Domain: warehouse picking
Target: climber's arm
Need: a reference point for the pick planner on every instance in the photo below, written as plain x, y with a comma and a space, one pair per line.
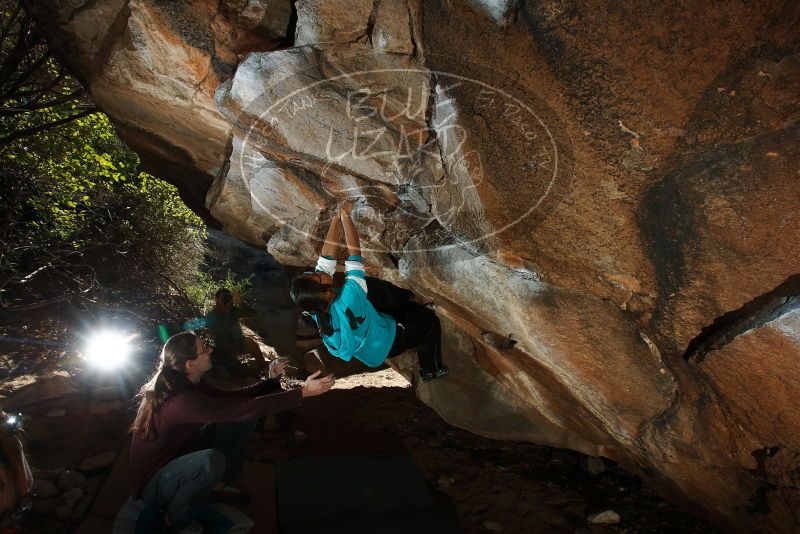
350, 232
332, 239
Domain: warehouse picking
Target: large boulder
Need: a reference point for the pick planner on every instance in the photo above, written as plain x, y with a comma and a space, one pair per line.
601, 204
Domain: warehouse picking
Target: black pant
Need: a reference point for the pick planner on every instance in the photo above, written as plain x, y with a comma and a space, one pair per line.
417, 326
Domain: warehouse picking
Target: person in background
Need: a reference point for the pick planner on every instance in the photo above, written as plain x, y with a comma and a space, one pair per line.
16, 479
188, 437
223, 323
349, 323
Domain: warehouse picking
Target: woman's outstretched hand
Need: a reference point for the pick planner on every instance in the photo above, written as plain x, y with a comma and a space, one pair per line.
317, 386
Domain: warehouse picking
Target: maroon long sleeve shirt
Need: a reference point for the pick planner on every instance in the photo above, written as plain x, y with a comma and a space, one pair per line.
180, 418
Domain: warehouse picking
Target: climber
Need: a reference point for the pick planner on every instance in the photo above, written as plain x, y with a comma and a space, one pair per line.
223, 322
353, 324
188, 437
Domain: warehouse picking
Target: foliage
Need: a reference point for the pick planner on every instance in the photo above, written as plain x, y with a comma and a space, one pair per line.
202, 291
78, 212
36, 94
81, 221
78, 192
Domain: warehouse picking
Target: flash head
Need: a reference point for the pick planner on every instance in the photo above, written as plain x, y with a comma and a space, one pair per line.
13, 423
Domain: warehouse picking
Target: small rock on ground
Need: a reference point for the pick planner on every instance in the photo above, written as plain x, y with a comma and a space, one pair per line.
45, 506
71, 479
608, 517
65, 510
81, 507
98, 462
44, 489
108, 393
72, 495
445, 480
493, 526
102, 408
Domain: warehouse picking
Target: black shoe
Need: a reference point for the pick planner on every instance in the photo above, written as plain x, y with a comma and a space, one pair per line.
427, 376
230, 494
194, 527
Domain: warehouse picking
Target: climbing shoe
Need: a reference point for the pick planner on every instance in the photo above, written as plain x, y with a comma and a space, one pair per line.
427, 376
192, 528
230, 493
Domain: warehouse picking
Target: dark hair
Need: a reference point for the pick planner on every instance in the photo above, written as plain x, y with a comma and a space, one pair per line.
224, 295
309, 295
168, 379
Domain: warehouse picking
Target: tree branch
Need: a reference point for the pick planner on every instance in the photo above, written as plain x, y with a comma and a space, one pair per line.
42, 105
17, 83
7, 27
15, 57
38, 129
46, 302
49, 86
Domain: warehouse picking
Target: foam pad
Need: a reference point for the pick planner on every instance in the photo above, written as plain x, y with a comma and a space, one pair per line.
381, 494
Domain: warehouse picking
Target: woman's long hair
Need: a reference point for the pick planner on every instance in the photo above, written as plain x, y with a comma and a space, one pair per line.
309, 295
169, 379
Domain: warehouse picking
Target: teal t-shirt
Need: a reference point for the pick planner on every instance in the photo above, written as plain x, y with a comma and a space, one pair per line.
359, 331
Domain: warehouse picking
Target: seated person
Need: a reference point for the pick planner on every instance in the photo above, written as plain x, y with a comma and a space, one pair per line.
223, 323
189, 437
16, 479
350, 325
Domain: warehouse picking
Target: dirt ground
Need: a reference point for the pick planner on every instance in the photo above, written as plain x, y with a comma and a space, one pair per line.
493, 486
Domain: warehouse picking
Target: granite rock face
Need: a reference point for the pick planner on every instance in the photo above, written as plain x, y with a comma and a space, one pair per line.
603, 204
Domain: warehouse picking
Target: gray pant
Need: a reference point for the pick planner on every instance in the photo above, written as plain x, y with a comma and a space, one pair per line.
182, 486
